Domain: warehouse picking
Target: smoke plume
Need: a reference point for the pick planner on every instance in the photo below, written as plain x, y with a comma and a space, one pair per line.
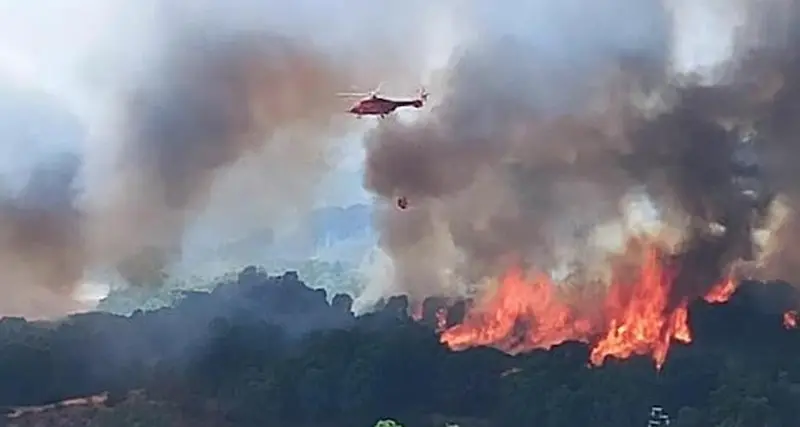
41, 256
208, 105
188, 95
532, 156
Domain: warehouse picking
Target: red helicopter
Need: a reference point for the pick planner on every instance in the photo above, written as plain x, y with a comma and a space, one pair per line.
374, 105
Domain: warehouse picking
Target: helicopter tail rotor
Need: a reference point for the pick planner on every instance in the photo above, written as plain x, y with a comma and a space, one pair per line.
423, 94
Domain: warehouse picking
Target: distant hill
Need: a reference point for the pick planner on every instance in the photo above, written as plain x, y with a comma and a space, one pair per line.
327, 254
332, 233
326, 257
335, 224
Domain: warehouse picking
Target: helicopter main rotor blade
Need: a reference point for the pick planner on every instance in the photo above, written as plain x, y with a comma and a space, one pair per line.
377, 90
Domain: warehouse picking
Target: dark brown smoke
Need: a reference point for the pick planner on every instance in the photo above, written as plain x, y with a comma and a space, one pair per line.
774, 68
507, 167
41, 247
523, 163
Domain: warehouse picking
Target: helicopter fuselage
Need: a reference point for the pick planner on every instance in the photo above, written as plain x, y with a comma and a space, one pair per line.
377, 106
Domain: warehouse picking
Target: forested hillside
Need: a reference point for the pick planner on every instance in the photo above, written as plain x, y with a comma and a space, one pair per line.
270, 351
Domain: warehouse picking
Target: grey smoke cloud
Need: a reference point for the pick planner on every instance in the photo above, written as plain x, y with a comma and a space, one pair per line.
208, 106
186, 96
535, 144
510, 156
538, 136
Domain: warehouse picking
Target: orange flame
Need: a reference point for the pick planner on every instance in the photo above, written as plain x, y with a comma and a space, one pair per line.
525, 314
638, 323
520, 316
722, 292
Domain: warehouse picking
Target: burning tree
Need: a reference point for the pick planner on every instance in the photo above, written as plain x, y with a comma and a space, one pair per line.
639, 314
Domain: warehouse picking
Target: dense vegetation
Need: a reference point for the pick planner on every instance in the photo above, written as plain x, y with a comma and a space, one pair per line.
262, 351
336, 276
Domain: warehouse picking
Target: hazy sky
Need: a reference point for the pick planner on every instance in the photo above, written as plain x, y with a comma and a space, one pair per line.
62, 56
62, 60
64, 52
